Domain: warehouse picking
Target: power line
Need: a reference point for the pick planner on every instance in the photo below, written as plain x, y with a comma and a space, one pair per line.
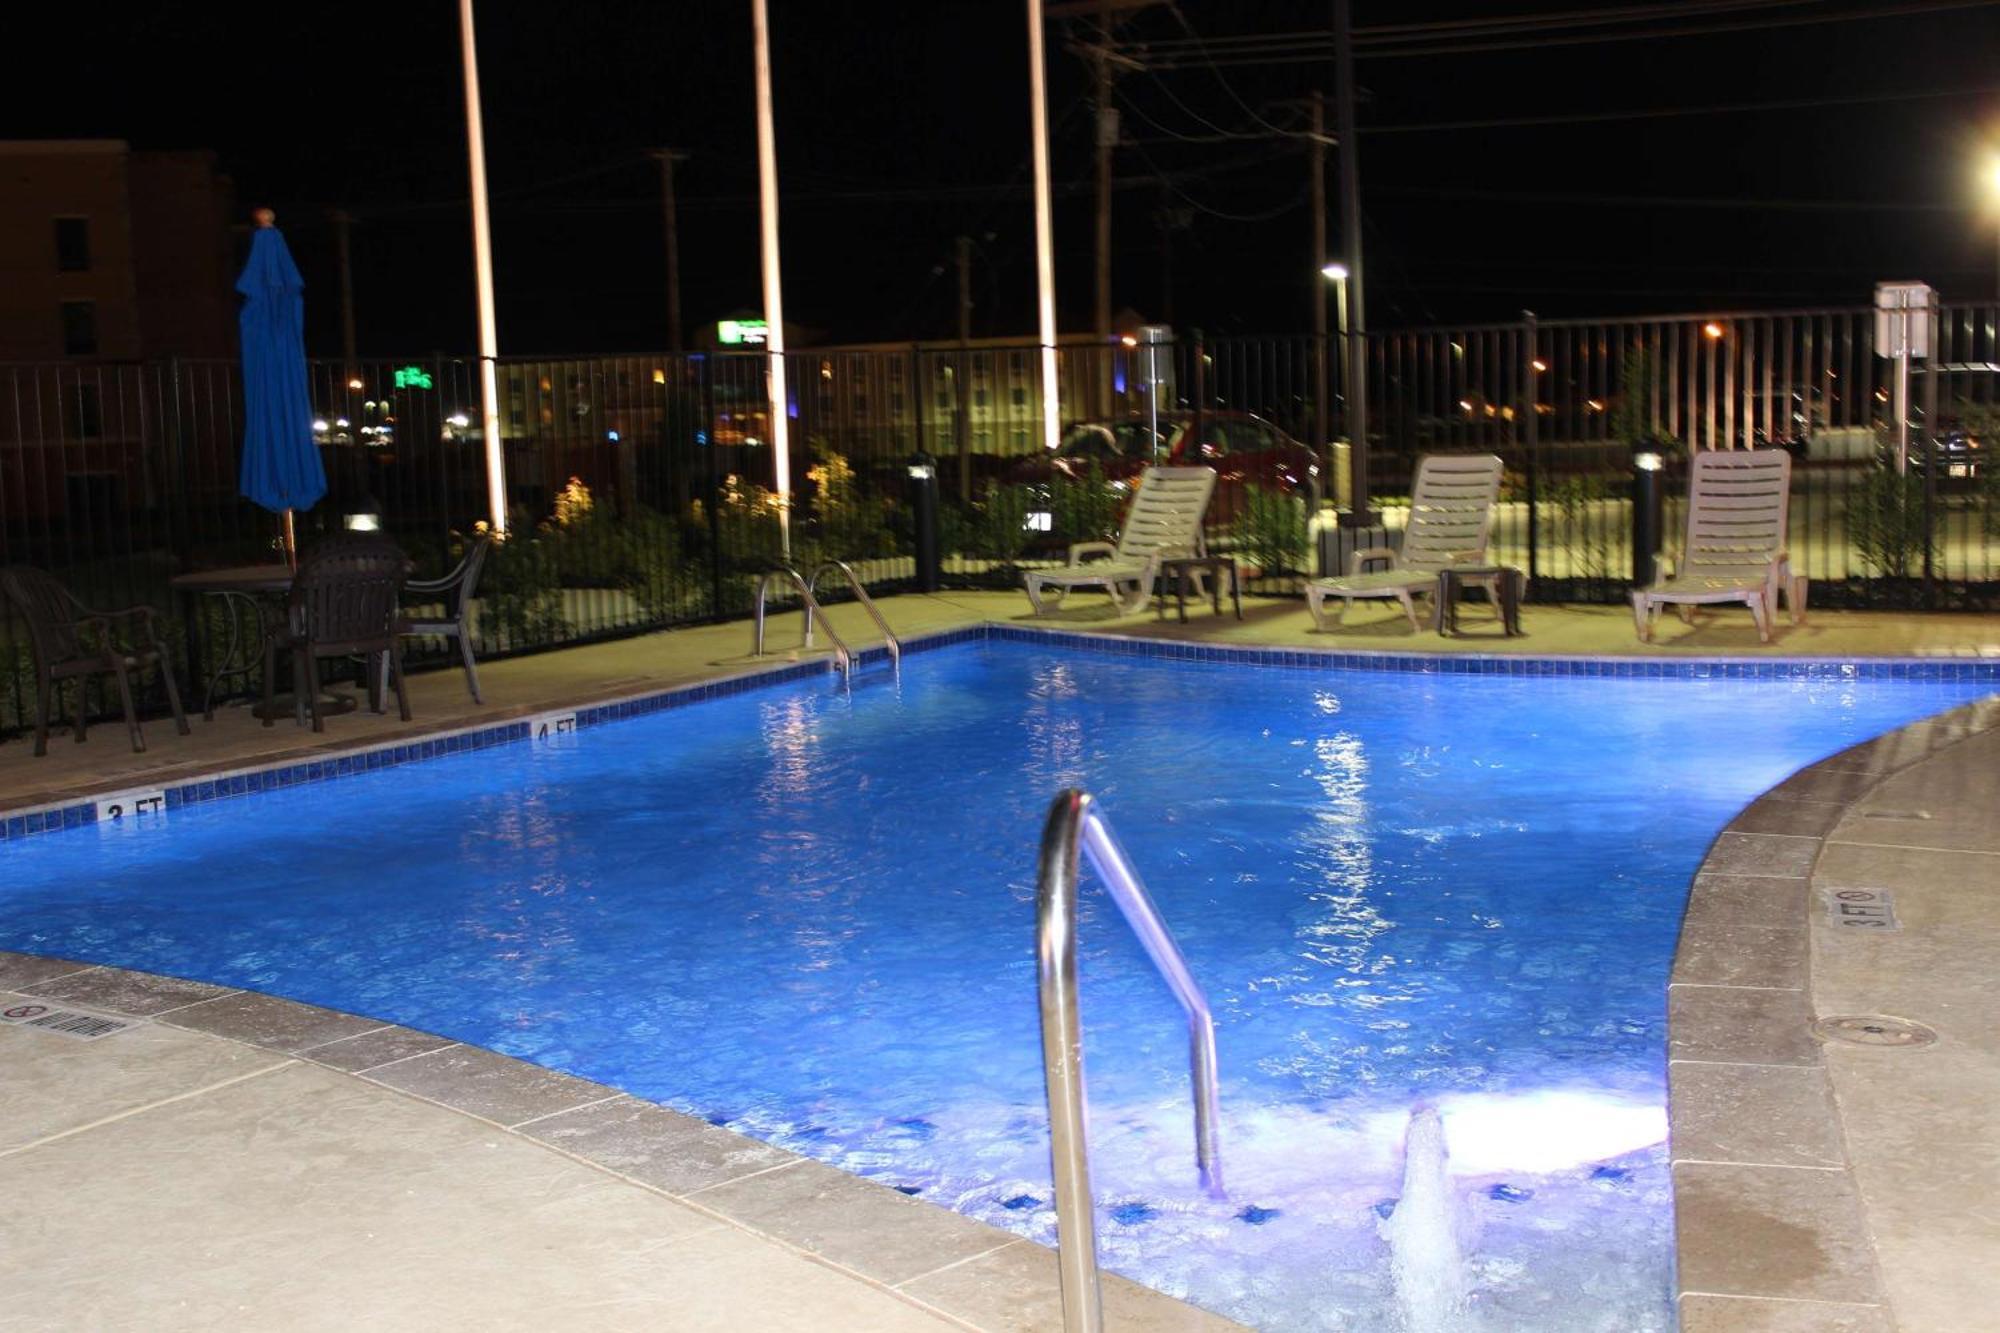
1901, 10
1166, 179
1665, 112
1313, 46
1667, 200
1576, 17
1180, 17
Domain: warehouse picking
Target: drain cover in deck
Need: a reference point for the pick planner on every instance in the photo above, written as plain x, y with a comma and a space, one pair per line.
1873, 1030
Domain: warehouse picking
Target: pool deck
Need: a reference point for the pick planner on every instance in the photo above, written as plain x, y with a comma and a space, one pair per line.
238, 1159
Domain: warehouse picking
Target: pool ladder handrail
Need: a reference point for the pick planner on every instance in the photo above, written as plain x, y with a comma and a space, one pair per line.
894, 644
841, 656
1075, 824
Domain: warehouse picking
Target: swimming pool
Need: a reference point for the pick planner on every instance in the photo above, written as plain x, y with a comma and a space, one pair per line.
807, 914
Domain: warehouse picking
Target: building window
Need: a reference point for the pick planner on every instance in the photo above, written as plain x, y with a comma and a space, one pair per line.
1020, 397
79, 328
85, 418
73, 245
979, 397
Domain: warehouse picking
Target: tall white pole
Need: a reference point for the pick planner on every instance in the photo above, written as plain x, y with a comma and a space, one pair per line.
774, 296
482, 250
1045, 243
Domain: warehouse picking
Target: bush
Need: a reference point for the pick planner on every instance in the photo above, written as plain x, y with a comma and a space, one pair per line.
1084, 509
849, 523
1000, 522
746, 535
520, 592
1271, 532
1885, 522
1580, 528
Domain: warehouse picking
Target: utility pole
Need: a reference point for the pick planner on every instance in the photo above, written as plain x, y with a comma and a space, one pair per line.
1361, 511
1322, 353
667, 157
962, 377
342, 220
1107, 139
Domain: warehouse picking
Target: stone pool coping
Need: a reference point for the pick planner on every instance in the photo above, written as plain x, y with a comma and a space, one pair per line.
938, 1260
1772, 1225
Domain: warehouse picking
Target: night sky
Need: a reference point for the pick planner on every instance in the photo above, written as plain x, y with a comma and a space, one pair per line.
901, 125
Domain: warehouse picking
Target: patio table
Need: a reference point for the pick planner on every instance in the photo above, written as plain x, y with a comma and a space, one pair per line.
244, 590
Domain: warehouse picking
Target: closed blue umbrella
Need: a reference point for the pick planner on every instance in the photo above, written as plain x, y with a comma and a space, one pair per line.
281, 467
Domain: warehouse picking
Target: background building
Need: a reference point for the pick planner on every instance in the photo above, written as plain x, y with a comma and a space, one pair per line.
111, 254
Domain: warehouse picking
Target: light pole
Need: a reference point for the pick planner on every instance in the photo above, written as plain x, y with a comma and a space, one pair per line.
1337, 275
1993, 189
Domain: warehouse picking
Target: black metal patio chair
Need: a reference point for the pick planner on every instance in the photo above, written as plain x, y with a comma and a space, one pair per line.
70, 640
453, 593
343, 603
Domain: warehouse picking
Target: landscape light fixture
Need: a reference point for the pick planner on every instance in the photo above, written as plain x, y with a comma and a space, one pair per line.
1711, 330
1336, 272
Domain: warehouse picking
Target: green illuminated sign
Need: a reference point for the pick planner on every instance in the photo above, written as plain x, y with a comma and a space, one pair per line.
734, 332
412, 377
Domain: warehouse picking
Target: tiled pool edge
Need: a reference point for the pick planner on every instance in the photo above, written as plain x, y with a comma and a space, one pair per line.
244, 779
1767, 1211
451, 738
937, 1260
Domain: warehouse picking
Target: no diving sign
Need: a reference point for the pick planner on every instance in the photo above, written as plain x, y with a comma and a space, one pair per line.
66, 1022
1860, 909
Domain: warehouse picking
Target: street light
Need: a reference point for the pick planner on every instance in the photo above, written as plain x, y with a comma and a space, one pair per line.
1337, 275
1993, 190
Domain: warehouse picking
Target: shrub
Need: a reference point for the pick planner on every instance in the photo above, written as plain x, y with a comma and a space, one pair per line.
1584, 531
1271, 532
520, 592
1084, 509
1886, 524
850, 524
1000, 522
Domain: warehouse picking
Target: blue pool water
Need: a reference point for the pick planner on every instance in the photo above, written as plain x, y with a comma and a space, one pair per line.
807, 914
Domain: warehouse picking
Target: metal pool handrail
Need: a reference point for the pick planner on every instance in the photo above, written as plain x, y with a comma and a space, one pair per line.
861, 596
1076, 823
841, 656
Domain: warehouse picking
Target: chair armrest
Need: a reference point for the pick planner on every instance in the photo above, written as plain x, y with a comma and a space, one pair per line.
1078, 550
1358, 562
147, 618
445, 584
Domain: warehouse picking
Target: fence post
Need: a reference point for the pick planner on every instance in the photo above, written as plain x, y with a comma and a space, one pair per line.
705, 441
1931, 457
1532, 441
1200, 383
917, 393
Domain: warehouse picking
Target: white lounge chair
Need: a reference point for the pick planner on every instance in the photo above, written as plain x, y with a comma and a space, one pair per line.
1451, 518
1163, 522
1738, 504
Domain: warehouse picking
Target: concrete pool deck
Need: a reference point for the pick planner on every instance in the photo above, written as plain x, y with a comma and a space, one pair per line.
239, 1159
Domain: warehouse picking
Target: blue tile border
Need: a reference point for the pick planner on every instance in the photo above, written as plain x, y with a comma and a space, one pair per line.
19, 824
1956, 669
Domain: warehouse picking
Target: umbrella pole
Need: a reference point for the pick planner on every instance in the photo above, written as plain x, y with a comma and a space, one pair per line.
291, 543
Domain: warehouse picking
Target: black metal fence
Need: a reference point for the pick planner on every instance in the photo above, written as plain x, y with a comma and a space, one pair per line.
641, 488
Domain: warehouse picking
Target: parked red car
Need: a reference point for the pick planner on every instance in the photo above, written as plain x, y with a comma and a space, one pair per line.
1242, 448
